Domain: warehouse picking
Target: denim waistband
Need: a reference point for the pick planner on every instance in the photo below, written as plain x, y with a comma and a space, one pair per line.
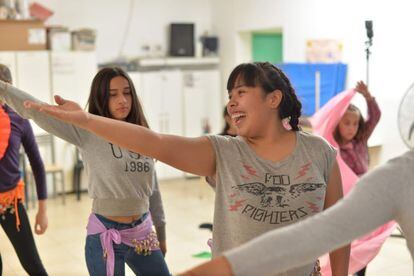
120, 225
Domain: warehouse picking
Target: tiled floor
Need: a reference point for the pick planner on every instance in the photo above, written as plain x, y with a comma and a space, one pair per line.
187, 203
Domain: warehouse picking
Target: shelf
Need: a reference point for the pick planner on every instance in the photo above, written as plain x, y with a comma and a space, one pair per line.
192, 61
177, 61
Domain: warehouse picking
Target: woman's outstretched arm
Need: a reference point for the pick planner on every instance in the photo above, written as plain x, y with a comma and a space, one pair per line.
374, 111
377, 198
194, 155
15, 98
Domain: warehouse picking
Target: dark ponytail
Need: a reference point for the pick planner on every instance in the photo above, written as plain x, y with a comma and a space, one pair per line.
290, 105
270, 78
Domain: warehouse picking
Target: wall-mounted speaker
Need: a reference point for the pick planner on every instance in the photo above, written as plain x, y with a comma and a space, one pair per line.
181, 40
210, 45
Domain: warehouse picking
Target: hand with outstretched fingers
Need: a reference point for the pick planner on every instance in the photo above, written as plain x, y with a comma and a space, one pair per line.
65, 110
362, 88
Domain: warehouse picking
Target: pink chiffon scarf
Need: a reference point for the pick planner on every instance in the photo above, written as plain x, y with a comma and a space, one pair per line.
324, 123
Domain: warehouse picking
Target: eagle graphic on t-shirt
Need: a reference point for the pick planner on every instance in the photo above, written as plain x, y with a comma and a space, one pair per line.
277, 195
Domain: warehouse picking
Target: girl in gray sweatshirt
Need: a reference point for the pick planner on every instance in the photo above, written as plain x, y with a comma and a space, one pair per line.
121, 182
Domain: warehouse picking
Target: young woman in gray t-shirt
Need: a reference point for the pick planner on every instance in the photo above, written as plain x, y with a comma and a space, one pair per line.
122, 183
382, 195
269, 176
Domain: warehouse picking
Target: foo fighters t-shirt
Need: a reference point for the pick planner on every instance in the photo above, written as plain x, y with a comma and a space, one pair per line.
254, 195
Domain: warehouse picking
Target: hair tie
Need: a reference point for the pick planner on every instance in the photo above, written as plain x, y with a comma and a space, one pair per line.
286, 123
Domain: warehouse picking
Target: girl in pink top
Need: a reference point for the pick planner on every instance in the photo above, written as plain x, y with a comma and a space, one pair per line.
353, 131
352, 135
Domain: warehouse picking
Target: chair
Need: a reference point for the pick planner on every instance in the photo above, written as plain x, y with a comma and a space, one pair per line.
77, 175
46, 146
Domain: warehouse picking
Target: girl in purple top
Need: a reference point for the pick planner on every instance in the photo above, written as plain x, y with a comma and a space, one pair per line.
352, 135
13, 216
353, 131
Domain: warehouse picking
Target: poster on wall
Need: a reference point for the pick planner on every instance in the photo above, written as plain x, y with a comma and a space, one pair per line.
323, 50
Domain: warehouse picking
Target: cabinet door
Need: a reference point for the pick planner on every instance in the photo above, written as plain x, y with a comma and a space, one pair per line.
72, 74
33, 73
162, 102
171, 112
63, 75
136, 80
202, 102
210, 82
195, 108
151, 91
33, 76
149, 101
9, 59
86, 66
172, 102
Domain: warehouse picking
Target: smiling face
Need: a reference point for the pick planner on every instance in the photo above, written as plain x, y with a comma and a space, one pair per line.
260, 96
120, 98
250, 109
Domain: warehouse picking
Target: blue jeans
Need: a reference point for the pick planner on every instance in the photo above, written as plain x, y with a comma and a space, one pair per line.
153, 264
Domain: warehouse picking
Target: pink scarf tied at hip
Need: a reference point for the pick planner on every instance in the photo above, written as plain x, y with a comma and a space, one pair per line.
324, 122
141, 237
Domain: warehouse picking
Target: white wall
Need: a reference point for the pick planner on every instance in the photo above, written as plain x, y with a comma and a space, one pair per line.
149, 23
392, 54
299, 20
223, 25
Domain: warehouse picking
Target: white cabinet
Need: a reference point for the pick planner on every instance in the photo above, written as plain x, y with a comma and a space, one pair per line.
72, 74
136, 79
202, 102
71, 78
45, 73
162, 100
30, 72
33, 76
180, 102
161, 95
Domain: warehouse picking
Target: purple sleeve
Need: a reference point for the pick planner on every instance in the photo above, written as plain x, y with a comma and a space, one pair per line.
374, 115
32, 152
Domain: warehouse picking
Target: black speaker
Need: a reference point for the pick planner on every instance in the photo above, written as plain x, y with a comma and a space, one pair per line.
181, 40
210, 45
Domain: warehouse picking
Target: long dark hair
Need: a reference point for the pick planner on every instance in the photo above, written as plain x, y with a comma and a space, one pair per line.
361, 126
98, 102
269, 78
5, 74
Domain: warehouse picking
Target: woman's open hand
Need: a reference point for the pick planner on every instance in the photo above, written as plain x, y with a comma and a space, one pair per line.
65, 110
362, 88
